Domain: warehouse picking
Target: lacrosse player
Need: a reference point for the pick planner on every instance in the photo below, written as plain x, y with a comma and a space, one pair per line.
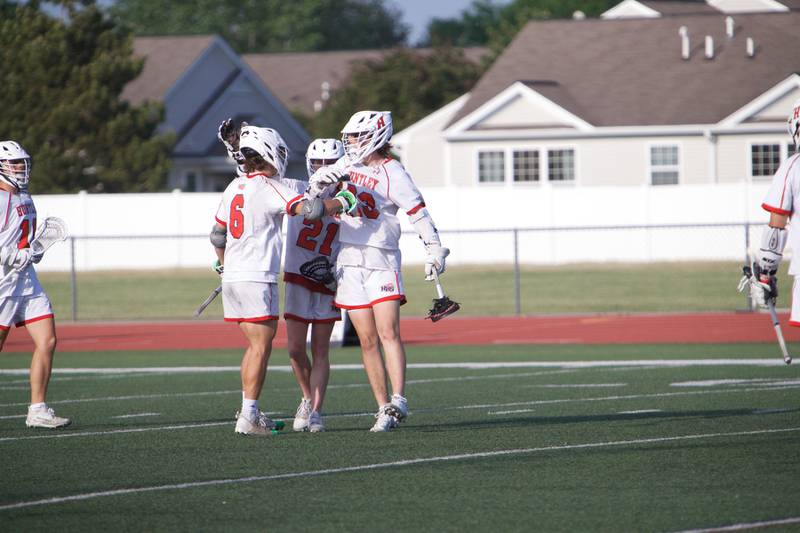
370, 284
780, 201
309, 300
247, 240
23, 301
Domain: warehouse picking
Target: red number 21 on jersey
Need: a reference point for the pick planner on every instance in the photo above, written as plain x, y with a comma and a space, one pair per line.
307, 238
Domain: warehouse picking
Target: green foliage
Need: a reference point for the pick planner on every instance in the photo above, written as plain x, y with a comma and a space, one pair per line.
61, 82
270, 25
487, 24
409, 84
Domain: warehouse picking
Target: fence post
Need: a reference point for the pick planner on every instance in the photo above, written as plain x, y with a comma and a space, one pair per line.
749, 304
517, 297
73, 279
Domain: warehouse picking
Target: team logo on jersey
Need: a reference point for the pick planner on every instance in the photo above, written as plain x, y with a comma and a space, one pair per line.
389, 287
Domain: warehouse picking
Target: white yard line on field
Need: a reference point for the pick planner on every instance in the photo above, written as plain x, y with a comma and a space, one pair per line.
672, 363
136, 415
378, 466
748, 525
67, 434
132, 397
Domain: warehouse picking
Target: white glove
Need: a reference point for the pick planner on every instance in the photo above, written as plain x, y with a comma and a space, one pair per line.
322, 179
15, 259
435, 260
762, 285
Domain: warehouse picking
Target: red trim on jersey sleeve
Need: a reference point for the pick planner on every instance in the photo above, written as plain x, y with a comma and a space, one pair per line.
401, 297
289, 316
36, 319
293, 202
253, 319
794, 323
776, 210
221, 222
415, 209
313, 286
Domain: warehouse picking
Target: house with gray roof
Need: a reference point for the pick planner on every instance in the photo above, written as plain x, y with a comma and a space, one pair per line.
666, 8
663, 101
201, 81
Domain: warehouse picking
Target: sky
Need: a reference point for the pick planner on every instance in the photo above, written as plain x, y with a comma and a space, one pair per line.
417, 13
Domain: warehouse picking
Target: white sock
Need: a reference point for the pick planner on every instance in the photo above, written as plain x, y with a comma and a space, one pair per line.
37, 407
249, 408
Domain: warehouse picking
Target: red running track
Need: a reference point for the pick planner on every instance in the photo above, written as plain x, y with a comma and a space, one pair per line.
573, 329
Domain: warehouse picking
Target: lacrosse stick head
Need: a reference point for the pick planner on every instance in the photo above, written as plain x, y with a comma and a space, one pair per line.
319, 270
442, 307
49, 232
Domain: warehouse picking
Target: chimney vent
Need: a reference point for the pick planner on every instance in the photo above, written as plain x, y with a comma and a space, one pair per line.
751, 47
729, 27
709, 47
684, 33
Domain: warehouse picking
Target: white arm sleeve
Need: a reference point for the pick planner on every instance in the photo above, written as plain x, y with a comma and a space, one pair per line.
425, 228
773, 241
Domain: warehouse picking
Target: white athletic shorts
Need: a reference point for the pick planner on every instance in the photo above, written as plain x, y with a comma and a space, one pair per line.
359, 288
250, 301
308, 306
21, 310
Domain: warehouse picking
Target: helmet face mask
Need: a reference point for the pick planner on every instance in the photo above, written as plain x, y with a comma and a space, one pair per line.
263, 145
323, 152
366, 132
15, 165
793, 124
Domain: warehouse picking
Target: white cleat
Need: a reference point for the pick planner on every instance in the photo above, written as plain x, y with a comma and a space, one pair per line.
45, 418
384, 420
261, 425
315, 424
301, 416
398, 407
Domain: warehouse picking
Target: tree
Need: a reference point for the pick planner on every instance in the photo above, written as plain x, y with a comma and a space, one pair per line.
409, 83
487, 24
61, 80
252, 26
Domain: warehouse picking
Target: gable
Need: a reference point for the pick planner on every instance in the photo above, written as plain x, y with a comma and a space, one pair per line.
778, 110
630, 9
771, 106
747, 6
520, 112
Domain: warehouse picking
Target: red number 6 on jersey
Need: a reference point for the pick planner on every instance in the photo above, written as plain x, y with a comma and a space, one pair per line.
236, 218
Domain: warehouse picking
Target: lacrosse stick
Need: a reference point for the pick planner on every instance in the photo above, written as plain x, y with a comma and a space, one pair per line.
442, 306
208, 301
319, 270
51, 231
746, 280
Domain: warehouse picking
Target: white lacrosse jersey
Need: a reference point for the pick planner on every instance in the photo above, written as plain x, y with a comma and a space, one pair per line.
252, 210
781, 197
18, 215
381, 190
307, 240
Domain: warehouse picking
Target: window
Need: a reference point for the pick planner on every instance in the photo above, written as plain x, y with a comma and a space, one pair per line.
791, 149
764, 159
561, 165
526, 165
491, 167
664, 165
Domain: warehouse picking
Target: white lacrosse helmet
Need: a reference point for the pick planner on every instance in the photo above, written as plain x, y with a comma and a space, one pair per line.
794, 123
365, 132
15, 165
268, 144
321, 153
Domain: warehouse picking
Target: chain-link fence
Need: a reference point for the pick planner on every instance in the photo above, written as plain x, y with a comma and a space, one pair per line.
498, 271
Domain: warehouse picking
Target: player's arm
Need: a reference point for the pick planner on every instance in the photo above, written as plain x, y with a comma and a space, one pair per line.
316, 208
218, 238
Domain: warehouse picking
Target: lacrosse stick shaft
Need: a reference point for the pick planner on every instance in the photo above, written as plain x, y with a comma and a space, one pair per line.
776, 323
439, 289
208, 300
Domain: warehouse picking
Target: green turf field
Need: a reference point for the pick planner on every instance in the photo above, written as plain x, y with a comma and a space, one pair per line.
485, 290
633, 446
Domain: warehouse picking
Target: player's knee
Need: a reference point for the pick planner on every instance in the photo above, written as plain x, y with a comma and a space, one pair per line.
389, 334
368, 342
46, 344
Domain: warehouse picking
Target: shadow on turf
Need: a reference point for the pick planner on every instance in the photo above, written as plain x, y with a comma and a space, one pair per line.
554, 420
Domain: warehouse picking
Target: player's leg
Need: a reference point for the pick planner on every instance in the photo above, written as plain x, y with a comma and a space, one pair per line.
37, 318
387, 320
320, 371
259, 337
296, 331
364, 322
